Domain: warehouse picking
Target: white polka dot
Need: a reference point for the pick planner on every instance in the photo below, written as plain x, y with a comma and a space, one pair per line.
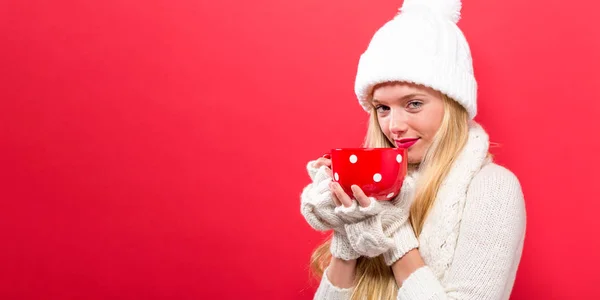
390, 195
353, 158
377, 177
399, 158
337, 177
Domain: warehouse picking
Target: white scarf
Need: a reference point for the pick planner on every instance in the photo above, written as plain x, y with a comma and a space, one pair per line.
440, 230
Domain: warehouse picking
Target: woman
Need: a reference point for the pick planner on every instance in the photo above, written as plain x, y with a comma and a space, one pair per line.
456, 230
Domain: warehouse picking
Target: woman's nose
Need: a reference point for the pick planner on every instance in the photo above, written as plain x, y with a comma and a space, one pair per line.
398, 124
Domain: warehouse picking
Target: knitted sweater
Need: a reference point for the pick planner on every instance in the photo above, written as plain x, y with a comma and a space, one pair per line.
487, 250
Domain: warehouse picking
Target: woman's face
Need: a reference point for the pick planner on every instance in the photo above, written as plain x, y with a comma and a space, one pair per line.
409, 115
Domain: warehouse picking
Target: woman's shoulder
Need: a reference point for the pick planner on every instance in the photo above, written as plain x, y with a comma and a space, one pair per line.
496, 187
493, 175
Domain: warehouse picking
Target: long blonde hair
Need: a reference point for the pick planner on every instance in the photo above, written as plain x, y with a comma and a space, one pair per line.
374, 279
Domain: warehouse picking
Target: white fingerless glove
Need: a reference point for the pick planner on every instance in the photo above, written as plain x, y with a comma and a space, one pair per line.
318, 208
382, 227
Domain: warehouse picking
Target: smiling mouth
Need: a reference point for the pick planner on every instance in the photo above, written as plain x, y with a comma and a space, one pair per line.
406, 142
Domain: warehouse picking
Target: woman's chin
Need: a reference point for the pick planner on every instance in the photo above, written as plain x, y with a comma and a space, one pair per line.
414, 157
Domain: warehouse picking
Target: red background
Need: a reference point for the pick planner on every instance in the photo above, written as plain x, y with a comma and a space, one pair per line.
156, 149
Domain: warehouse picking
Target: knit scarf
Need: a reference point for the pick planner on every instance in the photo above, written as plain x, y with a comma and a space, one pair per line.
438, 238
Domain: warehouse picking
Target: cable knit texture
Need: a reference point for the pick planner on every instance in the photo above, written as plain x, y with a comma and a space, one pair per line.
472, 240
318, 208
439, 235
404, 238
382, 227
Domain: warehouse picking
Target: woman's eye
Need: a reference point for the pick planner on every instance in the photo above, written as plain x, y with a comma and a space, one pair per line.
381, 108
415, 104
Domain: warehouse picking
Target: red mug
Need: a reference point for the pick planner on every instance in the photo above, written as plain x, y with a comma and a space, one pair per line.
379, 172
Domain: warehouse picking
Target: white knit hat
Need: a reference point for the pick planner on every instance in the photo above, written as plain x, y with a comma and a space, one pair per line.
422, 44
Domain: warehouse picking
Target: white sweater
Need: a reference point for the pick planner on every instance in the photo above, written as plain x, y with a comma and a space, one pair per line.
487, 250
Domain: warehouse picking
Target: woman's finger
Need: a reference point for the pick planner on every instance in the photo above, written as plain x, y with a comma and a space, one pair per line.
341, 195
322, 161
360, 196
336, 200
329, 173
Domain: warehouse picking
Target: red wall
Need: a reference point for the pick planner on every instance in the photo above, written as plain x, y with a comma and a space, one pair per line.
156, 149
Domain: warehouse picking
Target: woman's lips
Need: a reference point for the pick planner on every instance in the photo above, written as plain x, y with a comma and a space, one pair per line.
406, 142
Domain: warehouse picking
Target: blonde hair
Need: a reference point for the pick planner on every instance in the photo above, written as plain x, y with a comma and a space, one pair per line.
374, 279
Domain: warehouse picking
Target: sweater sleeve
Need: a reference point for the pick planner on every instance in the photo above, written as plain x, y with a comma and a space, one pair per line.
489, 245
327, 291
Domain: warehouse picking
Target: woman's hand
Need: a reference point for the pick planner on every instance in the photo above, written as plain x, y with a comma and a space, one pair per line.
341, 198
314, 165
345, 200
317, 201
376, 227
362, 225
318, 205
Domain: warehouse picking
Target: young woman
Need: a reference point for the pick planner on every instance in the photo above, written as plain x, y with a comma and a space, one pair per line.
456, 230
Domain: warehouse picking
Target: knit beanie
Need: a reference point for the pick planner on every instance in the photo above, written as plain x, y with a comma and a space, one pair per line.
423, 45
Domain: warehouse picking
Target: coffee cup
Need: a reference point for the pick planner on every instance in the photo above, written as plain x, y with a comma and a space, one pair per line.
379, 172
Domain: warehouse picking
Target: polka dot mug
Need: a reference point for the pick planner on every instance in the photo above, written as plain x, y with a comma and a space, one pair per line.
379, 172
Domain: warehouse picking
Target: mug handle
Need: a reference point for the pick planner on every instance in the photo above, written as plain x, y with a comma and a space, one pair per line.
328, 156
